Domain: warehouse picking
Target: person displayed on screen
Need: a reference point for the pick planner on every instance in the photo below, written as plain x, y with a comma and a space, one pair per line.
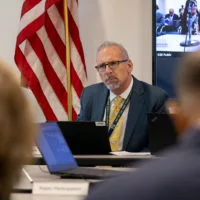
198, 11
121, 100
176, 175
181, 18
181, 10
190, 19
194, 21
171, 20
17, 132
160, 20
159, 16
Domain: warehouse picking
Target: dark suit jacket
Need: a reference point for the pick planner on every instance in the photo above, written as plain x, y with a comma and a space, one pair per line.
145, 99
160, 18
175, 16
174, 177
171, 25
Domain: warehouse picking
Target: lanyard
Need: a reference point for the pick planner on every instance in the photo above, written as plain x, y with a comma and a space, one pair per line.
119, 114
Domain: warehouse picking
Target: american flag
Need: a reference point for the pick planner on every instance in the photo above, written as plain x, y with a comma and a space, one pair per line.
41, 55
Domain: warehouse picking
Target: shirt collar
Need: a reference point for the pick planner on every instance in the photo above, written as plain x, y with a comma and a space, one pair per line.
124, 94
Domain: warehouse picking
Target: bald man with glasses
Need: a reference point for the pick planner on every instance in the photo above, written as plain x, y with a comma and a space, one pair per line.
121, 100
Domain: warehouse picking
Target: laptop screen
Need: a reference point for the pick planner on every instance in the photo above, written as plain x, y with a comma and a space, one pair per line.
86, 138
54, 148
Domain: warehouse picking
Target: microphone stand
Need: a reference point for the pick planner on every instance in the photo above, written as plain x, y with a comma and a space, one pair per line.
190, 42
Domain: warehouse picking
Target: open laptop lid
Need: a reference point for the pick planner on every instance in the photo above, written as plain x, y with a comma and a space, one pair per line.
161, 132
86, 137
54, 148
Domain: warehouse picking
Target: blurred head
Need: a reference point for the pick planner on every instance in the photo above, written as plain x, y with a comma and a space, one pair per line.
17, 130
171, 11
194, 10
188, 91
114, 66
181, 11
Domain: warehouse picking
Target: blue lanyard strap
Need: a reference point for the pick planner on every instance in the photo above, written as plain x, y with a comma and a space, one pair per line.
119, 114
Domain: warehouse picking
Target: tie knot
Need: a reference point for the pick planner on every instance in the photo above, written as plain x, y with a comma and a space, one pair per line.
118, 100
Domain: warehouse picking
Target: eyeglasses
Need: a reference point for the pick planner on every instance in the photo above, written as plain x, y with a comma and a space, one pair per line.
112, 65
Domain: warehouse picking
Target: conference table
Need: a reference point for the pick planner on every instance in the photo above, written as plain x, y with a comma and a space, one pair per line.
21, 196
104, 160
23, 189
171, 43
38, 171
40, 174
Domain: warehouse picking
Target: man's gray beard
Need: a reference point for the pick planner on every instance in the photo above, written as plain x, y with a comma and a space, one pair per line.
113, 86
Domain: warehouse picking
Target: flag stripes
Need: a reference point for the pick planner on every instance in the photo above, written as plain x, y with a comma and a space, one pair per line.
41, 56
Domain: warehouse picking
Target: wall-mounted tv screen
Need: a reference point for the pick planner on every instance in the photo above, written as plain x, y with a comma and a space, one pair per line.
176, 30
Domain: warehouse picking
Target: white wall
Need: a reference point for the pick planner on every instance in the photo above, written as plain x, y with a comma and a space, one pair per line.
175, 5
125, 21
128, 22
165, 5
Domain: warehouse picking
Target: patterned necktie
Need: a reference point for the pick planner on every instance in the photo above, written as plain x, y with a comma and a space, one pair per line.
116, 134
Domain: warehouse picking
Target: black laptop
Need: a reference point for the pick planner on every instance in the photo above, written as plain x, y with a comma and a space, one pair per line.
59, 158
86, 138
161, 132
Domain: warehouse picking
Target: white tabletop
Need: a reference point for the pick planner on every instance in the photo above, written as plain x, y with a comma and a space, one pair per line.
172, 43
40, 173
21, 196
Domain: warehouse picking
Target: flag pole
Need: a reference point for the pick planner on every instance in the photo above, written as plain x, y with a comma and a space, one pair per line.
67, 42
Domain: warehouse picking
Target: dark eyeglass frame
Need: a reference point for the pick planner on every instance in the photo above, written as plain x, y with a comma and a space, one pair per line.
112, 65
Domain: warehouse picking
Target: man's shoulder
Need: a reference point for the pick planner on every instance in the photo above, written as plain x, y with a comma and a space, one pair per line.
94, 87
175, 15
167, 15
153, 90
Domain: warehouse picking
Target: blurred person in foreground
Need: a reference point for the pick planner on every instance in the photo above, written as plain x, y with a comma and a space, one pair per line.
121, 100
17, 131
175, 176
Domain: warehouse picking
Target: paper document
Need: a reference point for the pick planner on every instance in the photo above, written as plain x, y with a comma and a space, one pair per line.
126, 153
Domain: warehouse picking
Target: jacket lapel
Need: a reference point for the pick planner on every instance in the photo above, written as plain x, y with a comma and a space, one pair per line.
136, 105
100, 103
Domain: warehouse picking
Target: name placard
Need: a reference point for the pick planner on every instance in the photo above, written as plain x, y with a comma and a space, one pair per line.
100, 123
61, 188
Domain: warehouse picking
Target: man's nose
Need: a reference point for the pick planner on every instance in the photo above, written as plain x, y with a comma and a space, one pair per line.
108, 70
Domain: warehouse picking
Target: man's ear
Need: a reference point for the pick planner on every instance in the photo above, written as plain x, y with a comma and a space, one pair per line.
130, 66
